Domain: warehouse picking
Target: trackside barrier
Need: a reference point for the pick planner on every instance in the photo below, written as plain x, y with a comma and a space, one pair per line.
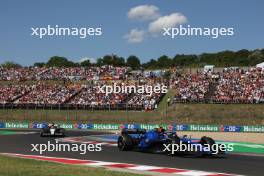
2, 125
170, 127
16, 125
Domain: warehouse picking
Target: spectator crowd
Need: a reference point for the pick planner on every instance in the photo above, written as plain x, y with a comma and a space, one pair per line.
54, 73
191, 87
232, 85
77, 95
240, 86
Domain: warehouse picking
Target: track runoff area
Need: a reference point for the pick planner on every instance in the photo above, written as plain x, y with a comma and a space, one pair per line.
101, 151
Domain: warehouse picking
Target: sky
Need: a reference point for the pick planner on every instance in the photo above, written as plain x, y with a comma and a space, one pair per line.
128, 28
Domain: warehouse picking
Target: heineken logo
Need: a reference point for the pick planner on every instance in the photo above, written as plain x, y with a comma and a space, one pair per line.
16, 125
106, 126
203, 128
259, 129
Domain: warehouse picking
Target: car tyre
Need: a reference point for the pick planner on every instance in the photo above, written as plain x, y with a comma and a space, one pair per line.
62, 132
210, 142
125, 142
174, 140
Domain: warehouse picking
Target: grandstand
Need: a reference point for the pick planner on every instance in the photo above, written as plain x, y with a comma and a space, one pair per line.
232, 85
79, 88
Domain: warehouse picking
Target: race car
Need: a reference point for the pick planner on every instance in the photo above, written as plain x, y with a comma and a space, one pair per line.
52, 130
160, 141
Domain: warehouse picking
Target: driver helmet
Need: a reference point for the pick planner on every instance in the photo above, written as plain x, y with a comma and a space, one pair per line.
161, 129
51, 124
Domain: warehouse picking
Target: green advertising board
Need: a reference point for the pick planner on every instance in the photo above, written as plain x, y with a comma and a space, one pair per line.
152, 126
204, 128
209, 128
106, 126
16, 125
255, 129
66, 125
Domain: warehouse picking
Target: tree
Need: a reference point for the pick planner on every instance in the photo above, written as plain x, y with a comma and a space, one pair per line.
10, 64
164, 62
185, 60
107, 60
151, 64
86, 63
57, 61
118, 61
111, 60
256, 57
39, 64
133, 62
99, 62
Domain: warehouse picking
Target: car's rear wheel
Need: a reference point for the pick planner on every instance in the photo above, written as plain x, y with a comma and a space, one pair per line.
42, 132
208, 142
62, 132
125, 142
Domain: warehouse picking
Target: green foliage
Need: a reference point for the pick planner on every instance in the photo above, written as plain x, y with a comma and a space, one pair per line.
10, 64
185, 60
133, 62
256, 57
164, 62
220, 59
57, 61
11, 166
111, 60
39, 64
99, 62
86, 63
152, 64
118, 61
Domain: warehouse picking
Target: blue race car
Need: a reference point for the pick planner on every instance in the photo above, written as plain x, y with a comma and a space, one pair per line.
160, 141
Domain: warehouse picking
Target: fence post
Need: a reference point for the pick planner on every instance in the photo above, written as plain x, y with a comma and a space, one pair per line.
68, 108
127, 113
76, 113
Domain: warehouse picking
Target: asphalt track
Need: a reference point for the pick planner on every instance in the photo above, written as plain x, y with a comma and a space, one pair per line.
233, 164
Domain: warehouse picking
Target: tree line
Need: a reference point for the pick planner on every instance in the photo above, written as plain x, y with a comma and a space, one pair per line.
219, 59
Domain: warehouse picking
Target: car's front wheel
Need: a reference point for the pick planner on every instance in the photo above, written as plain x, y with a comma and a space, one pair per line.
125, 143
173, 140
